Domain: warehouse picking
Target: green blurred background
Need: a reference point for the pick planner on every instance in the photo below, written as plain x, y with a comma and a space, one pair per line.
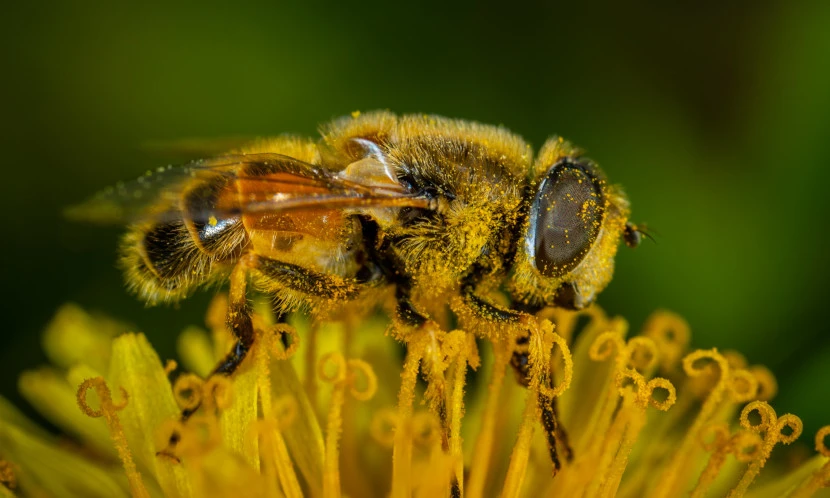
715, 119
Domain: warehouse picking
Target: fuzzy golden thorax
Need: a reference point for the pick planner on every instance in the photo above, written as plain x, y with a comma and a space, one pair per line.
479, 196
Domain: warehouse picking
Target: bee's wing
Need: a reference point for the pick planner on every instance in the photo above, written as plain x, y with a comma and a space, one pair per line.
156, 190
261, 183
187, 148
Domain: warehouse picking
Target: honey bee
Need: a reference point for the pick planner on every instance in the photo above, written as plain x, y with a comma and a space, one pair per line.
432, 214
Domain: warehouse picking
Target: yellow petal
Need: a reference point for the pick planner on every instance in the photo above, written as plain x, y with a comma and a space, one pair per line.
49, 470
222, 474
136, 368
304, 438
238, 418
74, 336
196, 351
10, 414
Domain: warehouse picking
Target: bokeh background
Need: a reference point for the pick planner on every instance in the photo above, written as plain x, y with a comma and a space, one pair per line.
715, 119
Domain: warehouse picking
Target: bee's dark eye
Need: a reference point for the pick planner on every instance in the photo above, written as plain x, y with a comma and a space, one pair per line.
565, 217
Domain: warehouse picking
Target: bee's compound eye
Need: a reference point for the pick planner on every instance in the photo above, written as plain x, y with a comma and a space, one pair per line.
565, 217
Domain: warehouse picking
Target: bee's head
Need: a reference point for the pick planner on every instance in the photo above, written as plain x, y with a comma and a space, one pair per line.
565, 256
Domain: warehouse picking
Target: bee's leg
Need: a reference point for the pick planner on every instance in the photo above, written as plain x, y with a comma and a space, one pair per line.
307, 281
406, 309
240, 323
520, 361
239, 313
554, 430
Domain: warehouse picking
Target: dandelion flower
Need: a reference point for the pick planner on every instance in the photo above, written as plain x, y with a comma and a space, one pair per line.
344, 413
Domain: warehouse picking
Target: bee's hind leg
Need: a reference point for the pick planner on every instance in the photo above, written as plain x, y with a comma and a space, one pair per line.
240, 324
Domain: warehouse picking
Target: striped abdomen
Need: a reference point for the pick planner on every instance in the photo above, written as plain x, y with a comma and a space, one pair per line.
188, 245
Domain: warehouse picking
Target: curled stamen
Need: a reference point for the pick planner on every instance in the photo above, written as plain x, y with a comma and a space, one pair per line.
671, 335
605, 345
746, 446
539, 362
104, 397
217, 392
339, 362
765, 413
366, 371
743, 386
821, 476
767, 385
187, 391
735, 359
719, 446
642, 353
383, 426
695, 363
793, 424
664, 385
277, 332
630, 378
714, 436
345, 374
772, 426
667, 327
567, 363
821, 441
109, 410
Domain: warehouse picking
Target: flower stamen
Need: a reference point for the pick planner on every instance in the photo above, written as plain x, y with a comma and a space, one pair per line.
109, 410
773, 428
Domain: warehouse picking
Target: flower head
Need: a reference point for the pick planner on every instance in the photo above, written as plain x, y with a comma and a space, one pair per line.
595, 413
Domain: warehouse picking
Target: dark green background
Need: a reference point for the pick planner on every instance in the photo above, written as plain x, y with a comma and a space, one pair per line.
715, 119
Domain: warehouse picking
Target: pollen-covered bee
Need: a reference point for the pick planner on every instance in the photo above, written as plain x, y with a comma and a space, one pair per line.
430, 213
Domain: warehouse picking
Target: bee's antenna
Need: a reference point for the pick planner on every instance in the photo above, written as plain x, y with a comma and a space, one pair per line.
633, 234
650, 234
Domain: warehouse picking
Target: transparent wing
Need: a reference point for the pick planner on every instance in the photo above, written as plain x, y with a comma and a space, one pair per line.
254, 183
185, 149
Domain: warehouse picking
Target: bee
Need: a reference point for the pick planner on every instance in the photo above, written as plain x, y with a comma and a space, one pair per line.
429, 213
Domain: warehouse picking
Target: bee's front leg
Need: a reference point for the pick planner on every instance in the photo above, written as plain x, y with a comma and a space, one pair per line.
406, 310
520, 361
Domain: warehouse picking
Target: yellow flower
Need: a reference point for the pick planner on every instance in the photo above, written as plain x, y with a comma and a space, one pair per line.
345, 414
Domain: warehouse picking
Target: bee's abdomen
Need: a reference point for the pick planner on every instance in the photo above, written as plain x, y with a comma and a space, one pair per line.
167, 260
